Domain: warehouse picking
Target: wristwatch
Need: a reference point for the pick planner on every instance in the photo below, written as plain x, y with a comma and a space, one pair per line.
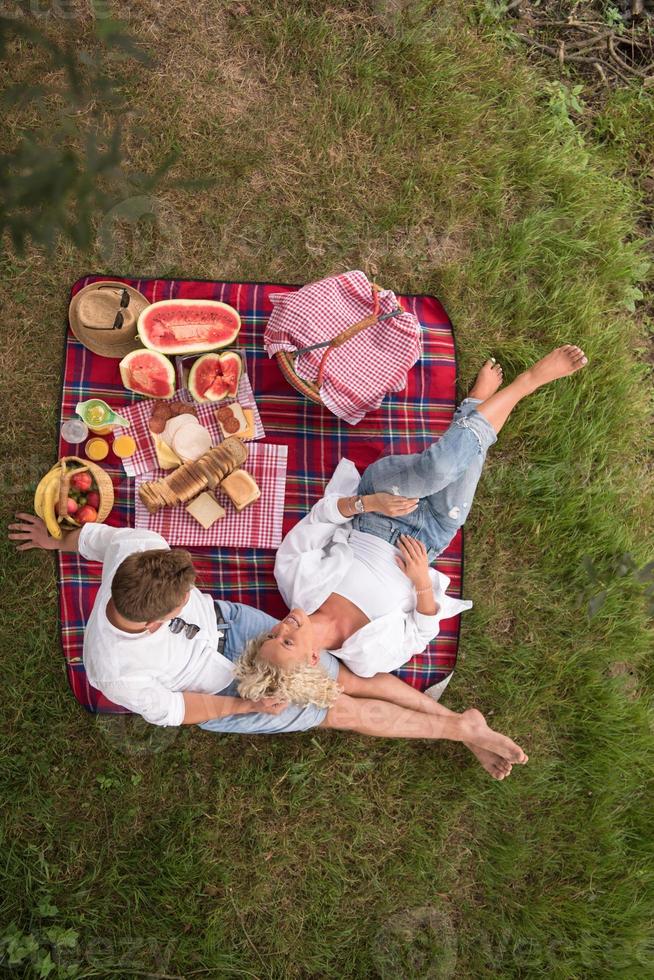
358, 505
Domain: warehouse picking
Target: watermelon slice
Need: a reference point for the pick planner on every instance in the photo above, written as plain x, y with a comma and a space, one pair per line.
215, 376
148, 373
188, 326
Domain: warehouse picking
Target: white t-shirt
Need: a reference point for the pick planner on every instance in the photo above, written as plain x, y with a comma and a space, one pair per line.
374, 582
146, 672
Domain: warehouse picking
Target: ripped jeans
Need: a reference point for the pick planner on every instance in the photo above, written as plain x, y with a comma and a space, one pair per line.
444, 477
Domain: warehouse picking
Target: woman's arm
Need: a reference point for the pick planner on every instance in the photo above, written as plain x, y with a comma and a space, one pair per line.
414, 564
388, 504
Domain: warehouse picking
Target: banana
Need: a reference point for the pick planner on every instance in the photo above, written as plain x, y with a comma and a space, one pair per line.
51, 497
39, 496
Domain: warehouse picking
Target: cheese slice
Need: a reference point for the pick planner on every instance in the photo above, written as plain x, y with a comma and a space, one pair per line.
167, 459
206, 510
247, 433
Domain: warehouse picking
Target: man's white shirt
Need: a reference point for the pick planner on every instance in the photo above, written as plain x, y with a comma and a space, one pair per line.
147, 672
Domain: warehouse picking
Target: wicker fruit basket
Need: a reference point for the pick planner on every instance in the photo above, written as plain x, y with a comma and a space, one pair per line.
102, 481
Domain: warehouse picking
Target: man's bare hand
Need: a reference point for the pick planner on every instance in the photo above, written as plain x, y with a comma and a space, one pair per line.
390, 504
32, 533
269, 706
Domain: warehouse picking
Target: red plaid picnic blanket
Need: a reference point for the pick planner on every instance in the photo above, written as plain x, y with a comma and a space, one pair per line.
258, 526
361, 372
406, 422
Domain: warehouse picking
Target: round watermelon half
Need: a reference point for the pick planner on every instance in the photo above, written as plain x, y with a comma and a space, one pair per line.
188, 326
148, 373
215, 376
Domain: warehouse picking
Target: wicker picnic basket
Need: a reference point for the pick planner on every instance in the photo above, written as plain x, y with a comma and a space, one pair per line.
102, 481
311, 389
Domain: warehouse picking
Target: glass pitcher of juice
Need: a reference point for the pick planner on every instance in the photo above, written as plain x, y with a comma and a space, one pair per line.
99, 416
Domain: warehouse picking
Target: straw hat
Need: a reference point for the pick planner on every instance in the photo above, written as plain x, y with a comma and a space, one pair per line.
103, 317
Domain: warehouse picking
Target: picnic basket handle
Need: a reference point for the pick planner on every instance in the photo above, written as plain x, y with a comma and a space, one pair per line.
352, 331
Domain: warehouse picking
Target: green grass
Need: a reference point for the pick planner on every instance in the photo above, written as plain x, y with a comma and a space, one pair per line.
345, 136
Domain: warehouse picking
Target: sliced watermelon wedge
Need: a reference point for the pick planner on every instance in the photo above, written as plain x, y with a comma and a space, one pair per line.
188, 326
148, 373
215, 376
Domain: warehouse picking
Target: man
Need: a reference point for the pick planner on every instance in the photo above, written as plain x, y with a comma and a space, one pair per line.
157, 645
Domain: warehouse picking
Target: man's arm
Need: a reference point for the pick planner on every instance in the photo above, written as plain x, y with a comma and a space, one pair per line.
203, 707
33, 533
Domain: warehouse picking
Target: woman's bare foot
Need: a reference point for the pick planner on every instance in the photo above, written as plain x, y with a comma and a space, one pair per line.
488, 380
496, 765
557, 364
478, 733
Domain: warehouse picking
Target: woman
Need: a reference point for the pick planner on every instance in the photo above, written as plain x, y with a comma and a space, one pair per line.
355, 571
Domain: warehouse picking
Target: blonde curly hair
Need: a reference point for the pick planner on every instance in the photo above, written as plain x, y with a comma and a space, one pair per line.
258, 678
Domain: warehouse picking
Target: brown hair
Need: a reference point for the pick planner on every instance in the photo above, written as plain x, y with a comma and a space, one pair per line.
148, 585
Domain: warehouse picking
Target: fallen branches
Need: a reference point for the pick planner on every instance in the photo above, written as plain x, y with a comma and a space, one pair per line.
612, 53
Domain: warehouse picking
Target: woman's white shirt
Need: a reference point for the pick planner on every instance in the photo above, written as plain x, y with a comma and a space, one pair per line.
315, 557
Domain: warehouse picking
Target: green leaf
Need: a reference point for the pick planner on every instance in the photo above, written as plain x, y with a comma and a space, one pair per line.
46, 909
58, 936
20, 947
44, 965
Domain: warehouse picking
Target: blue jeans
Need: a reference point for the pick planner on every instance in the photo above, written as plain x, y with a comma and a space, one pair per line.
241, 623
444, 477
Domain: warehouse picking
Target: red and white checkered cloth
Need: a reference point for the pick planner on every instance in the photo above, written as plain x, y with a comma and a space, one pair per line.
258, 526
361, 372
145, 458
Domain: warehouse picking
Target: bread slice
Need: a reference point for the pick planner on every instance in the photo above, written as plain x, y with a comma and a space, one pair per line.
240, 488
235, 421
206, 510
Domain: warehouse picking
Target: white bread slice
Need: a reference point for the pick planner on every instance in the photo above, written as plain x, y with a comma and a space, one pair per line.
206, 510
237, 413
240, 488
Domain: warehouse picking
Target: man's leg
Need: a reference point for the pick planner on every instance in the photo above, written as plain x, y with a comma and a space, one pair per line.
384, 719
240, 624
387, 687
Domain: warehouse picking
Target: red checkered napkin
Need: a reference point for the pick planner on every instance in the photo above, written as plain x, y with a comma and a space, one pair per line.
363, 370
145, 458
258, 526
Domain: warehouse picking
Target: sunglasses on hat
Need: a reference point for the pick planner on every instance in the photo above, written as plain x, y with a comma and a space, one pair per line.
120, 319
